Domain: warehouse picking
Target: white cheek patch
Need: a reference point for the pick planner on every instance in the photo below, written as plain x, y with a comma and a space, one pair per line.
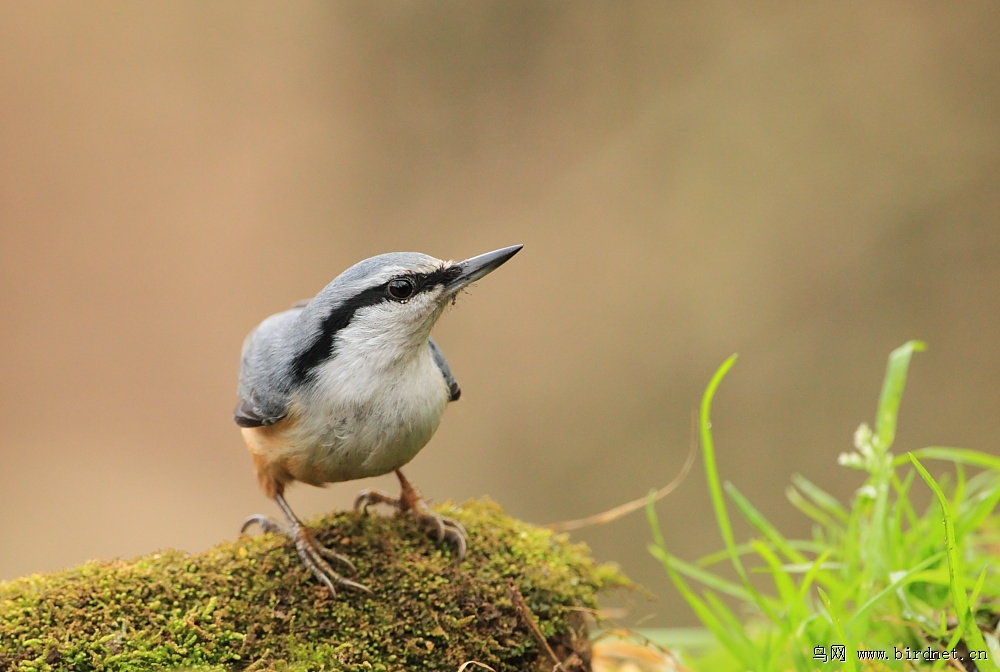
390, 329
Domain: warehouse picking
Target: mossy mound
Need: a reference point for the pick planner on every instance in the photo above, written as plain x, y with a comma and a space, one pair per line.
249, 604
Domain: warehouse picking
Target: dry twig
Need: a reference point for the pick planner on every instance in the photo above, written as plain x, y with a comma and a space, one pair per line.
634, 505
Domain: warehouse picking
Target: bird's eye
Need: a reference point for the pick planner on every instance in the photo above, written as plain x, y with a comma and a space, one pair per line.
400, 288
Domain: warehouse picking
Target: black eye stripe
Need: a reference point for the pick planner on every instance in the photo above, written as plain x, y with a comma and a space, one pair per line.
423, 282
441, 276
340, 317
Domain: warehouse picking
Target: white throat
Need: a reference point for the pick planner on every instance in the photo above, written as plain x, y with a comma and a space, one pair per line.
375, 403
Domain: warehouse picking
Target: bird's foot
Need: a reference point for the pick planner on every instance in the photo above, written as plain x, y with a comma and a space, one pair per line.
313, 554
411, 502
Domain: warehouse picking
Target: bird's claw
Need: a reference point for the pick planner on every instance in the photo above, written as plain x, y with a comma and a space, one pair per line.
369, 496
444, 528
266, 525
311, 552
447, 529
314, 555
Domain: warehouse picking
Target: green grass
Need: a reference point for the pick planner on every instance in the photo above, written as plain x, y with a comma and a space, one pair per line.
877, 574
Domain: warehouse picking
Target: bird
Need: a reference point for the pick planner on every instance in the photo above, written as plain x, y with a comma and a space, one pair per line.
348, 385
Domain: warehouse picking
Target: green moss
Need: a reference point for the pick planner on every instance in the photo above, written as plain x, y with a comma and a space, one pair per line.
250, 605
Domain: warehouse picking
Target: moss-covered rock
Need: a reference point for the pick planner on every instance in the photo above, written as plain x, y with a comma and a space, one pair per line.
249, 604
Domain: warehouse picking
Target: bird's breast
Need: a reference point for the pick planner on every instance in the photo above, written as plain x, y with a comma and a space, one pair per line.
358, 421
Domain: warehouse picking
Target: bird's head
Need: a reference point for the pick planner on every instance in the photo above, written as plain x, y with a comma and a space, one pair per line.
389, 303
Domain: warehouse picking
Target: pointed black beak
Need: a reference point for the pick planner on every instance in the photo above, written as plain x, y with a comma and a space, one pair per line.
476, 267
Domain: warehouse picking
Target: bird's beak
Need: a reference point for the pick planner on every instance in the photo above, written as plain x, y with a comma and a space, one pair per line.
476, 267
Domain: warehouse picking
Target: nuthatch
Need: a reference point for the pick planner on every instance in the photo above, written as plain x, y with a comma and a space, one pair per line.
349, 385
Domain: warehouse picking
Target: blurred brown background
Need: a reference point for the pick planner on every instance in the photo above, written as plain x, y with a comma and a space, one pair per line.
806, 184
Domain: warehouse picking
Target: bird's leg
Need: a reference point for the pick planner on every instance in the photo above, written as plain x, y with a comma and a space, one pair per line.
313, 554
409, 500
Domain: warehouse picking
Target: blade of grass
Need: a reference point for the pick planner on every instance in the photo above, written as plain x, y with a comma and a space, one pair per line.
801, 545
976, 513
810, 576
728, 618
958, 494
974, 597
900, 552
820, 497
723, 555
715, 488
711, 470
757, 519
874, 523
702, 576
782, 583
966, 619
734, 641
835, 621
903, 507
957, 455
809, 509
892, 392
912, 574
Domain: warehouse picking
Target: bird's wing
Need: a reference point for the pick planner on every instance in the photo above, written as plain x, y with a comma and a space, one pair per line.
454, 391
249, 414
263, 388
